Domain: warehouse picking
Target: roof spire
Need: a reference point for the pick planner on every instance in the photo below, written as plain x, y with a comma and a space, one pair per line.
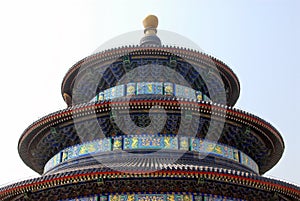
150, 39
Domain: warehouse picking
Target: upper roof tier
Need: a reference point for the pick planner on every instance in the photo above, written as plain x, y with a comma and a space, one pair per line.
122, 65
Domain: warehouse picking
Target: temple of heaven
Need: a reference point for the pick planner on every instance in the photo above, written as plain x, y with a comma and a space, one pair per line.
150, 122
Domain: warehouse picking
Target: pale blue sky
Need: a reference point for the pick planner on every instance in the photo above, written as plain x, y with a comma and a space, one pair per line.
41, 40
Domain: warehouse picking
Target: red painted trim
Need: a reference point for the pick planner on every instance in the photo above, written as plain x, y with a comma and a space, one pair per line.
254, 182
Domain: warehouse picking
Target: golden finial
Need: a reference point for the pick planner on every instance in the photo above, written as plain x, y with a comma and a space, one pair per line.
151, 21
150, 38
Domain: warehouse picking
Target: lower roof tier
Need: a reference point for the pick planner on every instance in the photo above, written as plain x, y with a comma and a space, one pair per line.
187, 180
156, 115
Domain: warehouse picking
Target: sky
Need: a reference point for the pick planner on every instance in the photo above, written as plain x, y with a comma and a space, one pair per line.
41, 40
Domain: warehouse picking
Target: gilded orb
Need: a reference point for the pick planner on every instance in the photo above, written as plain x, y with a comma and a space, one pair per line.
150, 21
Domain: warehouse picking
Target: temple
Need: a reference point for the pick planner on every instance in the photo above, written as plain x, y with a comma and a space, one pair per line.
150, 122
